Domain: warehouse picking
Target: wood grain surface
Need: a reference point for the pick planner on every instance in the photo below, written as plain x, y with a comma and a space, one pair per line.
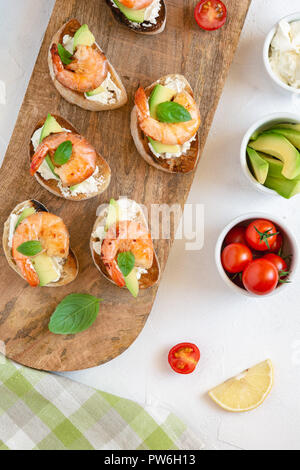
204, 58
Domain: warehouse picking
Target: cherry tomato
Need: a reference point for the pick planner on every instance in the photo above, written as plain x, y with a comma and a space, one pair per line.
236, 235
260, 277
278, 262
276, 247
210, 14
236, 257
184, 358
261, 235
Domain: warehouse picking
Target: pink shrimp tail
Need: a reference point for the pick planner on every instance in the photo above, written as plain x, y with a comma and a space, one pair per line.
38, 158
141, 102
115, 273
56, 60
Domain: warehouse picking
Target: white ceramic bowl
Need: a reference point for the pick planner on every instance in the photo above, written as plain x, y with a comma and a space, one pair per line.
266, 50
263, 124
290, 247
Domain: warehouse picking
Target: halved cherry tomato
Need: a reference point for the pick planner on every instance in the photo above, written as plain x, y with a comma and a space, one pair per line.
236, 235
261, 235
184, 358
236, 257
210, 14
260, 277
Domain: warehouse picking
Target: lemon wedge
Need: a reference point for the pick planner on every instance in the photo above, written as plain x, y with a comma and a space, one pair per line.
247, 391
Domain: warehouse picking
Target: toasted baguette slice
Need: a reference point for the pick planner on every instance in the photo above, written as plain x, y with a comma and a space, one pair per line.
184, 164
70, 268
77, 98
142, 28
53, 184
148, 279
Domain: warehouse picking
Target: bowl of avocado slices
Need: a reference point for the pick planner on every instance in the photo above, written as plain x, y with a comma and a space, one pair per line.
270, 155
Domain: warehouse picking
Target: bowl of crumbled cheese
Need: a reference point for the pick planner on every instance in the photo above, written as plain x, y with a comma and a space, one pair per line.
282, 53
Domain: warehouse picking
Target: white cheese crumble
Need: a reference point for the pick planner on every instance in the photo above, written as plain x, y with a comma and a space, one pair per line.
111, 94
68, 43
285, 53
175, 84
89, 186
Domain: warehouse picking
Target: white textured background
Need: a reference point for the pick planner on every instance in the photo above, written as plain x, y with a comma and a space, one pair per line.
193, 304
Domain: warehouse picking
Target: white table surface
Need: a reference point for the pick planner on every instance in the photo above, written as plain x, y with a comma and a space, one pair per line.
193, 304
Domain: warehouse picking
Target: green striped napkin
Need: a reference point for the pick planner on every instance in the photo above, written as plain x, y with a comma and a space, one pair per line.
43, 411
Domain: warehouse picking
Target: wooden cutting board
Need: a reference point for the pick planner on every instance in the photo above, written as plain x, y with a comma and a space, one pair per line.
204, 58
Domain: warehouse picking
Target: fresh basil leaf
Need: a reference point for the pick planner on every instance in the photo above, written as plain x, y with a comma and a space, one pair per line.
172, 112
63, 153
64, 55
76, 313
126, 261
31, 248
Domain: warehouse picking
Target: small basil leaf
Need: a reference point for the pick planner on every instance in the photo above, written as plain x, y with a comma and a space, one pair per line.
63, 153
31, 248
64, 55
126, 262
172, 112
76, 313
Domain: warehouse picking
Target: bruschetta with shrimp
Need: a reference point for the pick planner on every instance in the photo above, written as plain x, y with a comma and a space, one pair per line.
65, 163
81, 72
36, 244
122, 247
164, 125
141, 16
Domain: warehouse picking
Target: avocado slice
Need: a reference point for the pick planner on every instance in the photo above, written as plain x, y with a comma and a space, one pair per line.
83, 37
162, 148
137, 16
278, 146
51, 126
45, 269
277, 182
284, 187
292, 135
161, 94
98, 90
113, 214
258, 165
132, 283
255, 135
295, 127
26, 213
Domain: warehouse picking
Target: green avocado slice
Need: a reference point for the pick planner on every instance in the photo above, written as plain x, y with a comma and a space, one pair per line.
137, 16
258, 165
278, 146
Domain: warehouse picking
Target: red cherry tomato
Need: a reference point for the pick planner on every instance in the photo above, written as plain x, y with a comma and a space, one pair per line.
278, 262
210, 14
236, 235
184, 357
261, 235
260, 277
236, 257
276, 247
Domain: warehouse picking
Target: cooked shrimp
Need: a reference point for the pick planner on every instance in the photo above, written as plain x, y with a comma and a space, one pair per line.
46, 228
81, 165
126, 236
85, 73
166, 133
136, 4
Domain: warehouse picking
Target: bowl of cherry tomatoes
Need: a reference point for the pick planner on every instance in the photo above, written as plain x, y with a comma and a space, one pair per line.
257, 255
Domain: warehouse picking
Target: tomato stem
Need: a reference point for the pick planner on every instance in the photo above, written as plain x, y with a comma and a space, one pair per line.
263, 236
